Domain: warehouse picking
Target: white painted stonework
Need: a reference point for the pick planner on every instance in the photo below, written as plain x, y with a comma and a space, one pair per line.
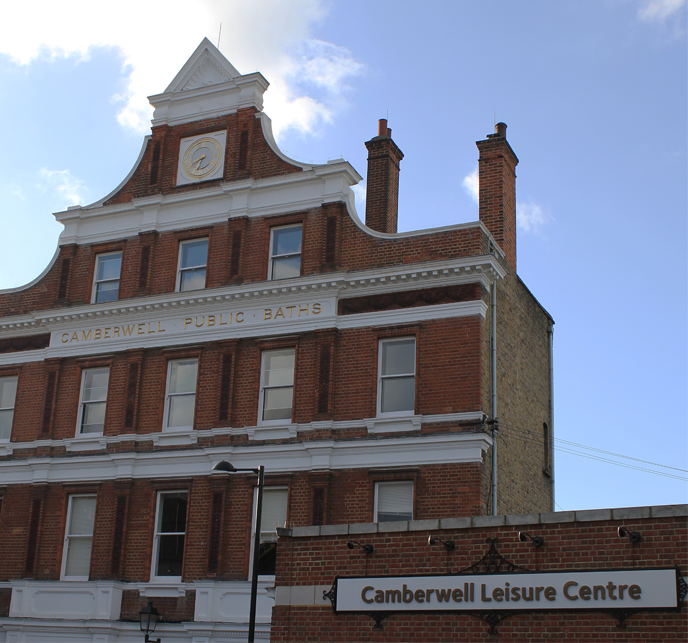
59, 599
320, 455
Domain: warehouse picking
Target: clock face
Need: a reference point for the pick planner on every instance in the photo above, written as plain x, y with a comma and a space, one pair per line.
202, 158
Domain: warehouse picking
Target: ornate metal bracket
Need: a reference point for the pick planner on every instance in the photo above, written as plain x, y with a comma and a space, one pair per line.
492, 563
331, 594
621, 616
377, 617
682, 587
493, 618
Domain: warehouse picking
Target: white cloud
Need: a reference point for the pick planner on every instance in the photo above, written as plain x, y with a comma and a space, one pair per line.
659, 9
471, 183
360, 194
531, 217
14, 190
68, 188
271, 36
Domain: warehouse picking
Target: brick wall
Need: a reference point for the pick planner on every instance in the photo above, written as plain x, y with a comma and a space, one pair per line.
585, 540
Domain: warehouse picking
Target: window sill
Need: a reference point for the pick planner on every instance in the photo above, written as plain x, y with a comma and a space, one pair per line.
272, 431
170, 587
393, 424
184, 436
86, 442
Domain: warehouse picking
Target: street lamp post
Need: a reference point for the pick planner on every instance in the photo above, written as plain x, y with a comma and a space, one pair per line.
149, 619
228, 467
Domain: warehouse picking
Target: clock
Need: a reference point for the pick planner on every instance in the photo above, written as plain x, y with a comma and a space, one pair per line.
202, 158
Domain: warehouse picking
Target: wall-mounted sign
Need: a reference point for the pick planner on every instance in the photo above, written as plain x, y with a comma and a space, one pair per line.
193, 323
608, 590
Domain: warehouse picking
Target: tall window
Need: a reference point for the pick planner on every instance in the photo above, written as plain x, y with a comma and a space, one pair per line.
285, 252
8, 393
180, 400
94, 389
397, 376
170, 528
193, 262
106, 279
76, 557
393, 501
274, 515
277, 385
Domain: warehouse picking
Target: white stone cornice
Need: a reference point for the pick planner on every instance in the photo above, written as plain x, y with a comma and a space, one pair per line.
482, 268
312, 455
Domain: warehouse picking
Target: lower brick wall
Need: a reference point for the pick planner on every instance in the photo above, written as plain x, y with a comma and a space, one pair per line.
574, 541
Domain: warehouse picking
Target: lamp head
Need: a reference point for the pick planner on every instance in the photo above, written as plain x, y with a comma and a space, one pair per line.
538, 541
633, 536
448, 544
225, 466
368, 549
148, 618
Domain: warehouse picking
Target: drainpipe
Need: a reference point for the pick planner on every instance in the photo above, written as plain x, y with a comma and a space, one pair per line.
493, 368
550, 338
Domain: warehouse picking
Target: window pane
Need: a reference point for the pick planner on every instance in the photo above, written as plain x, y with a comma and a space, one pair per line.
267, 558
192, 280
181, 410
96, 384
286, 240
194, 253
286, 267
279, 368
394, 501
83, 516
398, 394
398, 357
109, 266
274, 512
183, 376
6, 424
78, 557
94, 418
172, 516
107, 291
277, 403
8, 392
170, 555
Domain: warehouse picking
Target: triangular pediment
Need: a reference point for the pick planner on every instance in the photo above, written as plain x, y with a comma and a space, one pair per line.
207, 86
206, 66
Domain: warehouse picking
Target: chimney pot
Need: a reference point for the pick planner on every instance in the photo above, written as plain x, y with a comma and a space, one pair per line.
382, 129
500, 129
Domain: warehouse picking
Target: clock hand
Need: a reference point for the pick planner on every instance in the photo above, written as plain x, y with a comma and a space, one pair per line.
197, 162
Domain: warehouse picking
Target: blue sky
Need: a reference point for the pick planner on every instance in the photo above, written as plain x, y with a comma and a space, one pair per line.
595, 96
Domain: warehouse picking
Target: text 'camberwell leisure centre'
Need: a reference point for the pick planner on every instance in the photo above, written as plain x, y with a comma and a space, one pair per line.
557, 590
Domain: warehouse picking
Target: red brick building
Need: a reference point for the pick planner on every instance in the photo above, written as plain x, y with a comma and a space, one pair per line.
226, 302
570, 578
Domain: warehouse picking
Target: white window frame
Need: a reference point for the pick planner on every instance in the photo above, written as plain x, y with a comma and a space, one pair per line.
261, 403
10, 408
156, 536
181, 270
381, 377
168, 396
291, 254
84, 403
94, 290
263, 577
393, 482
67, 536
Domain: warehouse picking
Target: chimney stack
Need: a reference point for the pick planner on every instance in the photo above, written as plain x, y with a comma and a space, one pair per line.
497, 202
382, 191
